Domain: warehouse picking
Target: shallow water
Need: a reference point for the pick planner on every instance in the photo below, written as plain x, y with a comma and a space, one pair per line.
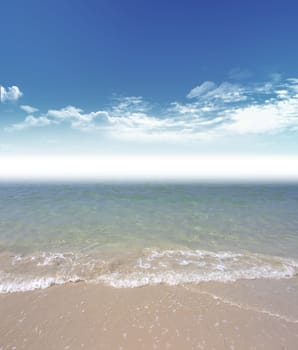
137, 234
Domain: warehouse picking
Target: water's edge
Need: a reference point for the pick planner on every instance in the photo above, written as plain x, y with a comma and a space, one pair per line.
151, 266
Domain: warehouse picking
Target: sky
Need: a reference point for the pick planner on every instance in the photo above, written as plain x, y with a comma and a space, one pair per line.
173, 78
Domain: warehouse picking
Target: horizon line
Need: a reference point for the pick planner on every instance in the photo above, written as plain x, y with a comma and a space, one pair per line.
152, 168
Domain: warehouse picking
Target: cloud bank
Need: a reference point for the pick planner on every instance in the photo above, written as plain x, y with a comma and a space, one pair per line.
209, 111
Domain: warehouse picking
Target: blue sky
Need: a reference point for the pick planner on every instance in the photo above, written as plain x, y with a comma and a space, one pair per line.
178, 77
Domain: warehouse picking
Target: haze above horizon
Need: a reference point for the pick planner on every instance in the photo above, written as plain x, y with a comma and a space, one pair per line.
147, 83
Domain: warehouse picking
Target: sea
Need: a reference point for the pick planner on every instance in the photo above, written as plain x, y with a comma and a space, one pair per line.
133, 235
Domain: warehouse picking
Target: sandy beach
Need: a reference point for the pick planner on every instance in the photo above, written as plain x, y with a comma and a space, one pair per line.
209, 316
93, 266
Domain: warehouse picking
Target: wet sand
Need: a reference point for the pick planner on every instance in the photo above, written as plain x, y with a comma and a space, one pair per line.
209, 316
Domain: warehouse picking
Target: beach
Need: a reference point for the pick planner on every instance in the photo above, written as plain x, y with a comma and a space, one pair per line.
211, 316
148, 266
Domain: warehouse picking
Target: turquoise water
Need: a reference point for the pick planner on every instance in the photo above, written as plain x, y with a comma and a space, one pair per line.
87, 231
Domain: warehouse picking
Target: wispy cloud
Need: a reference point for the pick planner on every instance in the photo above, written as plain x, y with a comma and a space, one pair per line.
210, 111
239, 74
12, 93
29, 109
226, 92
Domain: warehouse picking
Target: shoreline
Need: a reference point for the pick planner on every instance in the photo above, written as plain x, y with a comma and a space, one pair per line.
211, 315
142, 267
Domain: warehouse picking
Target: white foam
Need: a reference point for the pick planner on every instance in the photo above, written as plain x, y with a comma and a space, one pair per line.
139, 279
43, 259
12, 284
51, 259
153, 266
175, 267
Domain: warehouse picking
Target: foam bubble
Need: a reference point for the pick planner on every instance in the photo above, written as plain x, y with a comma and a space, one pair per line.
139, 279
12, 284
150, 267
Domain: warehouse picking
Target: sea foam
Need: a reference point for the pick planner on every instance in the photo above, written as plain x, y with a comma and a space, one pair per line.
148, 267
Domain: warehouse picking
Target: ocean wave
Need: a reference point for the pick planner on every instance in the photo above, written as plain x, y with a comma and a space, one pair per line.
12, 284
148, 267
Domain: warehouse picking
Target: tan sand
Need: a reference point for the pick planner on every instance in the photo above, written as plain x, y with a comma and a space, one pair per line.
81, 316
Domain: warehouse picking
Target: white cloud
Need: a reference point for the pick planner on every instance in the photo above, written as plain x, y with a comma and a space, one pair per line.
75, 115
186, 109
124, 106
226, 92
272, 116
216, 111
202, 89
78, 119
29, 122
12, 93
281, 93
257, 114
28, 109
255, 119
68, 112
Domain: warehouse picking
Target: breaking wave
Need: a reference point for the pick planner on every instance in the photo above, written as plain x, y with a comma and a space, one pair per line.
149, 267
